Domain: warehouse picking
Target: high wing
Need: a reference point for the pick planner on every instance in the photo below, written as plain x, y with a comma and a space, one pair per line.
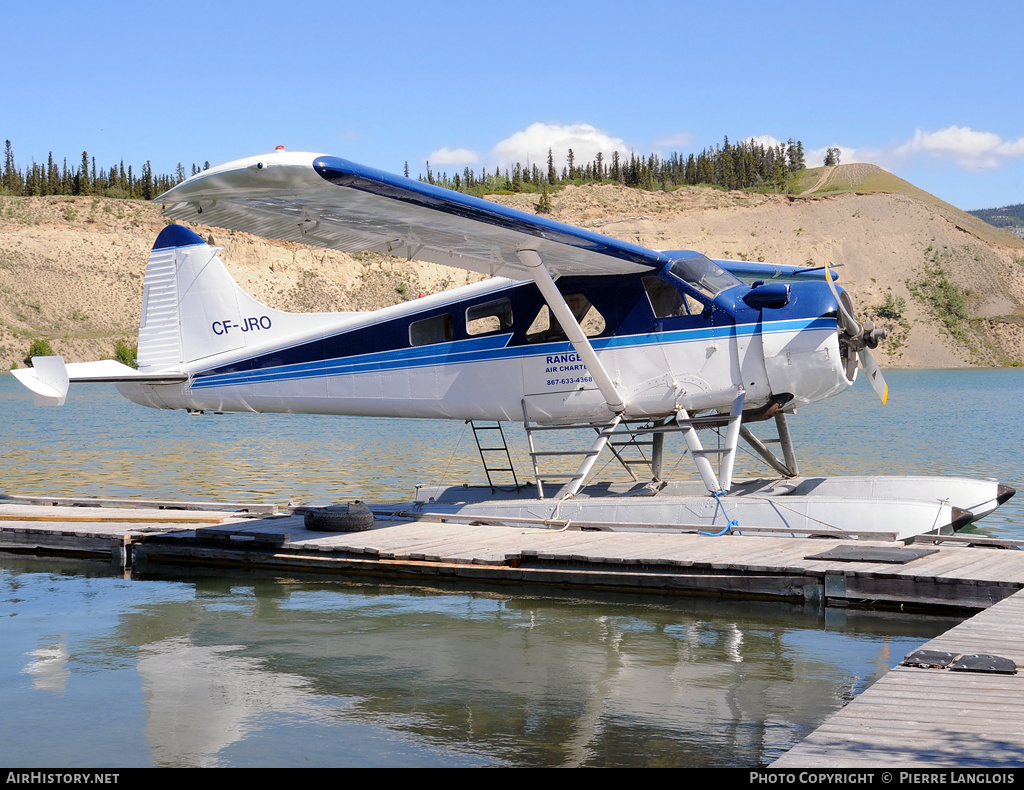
331, 202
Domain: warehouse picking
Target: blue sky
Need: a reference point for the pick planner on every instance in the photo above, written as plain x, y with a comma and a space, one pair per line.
930, 91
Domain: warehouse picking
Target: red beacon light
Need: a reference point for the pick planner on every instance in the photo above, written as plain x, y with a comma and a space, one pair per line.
279, 148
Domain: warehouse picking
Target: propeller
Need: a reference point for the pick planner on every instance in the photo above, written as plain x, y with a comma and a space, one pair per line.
860, 338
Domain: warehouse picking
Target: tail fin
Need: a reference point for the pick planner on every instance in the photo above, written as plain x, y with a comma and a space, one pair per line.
192, 308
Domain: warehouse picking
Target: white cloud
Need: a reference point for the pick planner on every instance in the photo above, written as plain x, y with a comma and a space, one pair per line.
766, 140
453, 156
533, 142
970, 149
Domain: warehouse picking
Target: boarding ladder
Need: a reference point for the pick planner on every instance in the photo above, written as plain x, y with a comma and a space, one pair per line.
638, 443
573, 480
620, 435
491, 454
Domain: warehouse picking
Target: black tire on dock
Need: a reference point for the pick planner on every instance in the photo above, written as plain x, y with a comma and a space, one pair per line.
340, 518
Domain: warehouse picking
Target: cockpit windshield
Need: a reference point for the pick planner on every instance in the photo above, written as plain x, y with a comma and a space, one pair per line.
703, 274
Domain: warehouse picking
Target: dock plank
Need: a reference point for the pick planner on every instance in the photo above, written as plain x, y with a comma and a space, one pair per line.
943, 565
730, 564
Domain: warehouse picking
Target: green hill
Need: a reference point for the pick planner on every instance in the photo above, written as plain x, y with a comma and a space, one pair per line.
1009, 217
868, 179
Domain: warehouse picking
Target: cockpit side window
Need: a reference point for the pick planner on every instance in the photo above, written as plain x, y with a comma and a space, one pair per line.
667, 301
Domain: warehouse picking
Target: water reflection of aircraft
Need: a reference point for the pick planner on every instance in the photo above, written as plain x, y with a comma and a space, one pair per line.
424, 676
574, 330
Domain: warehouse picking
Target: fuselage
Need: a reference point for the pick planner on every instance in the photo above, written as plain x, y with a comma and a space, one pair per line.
670, 340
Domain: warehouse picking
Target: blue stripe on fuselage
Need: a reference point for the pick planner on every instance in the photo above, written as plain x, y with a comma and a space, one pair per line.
488, 349
452, 353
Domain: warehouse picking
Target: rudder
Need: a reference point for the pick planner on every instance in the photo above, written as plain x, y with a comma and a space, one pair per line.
192, 307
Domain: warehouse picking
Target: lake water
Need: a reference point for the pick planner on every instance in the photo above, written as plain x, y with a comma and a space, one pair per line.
203, 668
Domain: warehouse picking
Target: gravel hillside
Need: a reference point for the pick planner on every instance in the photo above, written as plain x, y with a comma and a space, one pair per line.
71, 269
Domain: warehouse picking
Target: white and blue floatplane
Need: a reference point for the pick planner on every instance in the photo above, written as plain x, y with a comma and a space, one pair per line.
573, 331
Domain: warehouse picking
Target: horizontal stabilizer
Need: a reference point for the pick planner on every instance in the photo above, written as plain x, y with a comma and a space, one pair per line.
49, 377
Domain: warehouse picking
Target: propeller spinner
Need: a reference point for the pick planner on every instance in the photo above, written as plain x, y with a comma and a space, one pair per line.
860, 338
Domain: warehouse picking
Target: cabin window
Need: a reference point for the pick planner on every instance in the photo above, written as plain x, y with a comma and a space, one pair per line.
545, 328
436, 329
489, 317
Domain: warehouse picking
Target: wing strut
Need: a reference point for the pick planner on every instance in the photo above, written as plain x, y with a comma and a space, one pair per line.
573, 330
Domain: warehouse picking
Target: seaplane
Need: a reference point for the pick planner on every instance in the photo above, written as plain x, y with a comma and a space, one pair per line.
573, 332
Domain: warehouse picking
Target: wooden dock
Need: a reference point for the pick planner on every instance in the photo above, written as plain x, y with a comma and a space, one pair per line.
102, 527
837, 572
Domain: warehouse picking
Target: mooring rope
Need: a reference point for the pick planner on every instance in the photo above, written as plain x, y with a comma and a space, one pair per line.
732, 522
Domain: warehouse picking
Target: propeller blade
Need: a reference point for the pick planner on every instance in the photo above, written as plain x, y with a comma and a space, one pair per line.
874, 374
853, 330
850, 324
828, 279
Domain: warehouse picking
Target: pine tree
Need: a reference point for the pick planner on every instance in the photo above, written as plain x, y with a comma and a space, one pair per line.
147, 181
544, 204
779, 171
83, 185
7, 177
52, 176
